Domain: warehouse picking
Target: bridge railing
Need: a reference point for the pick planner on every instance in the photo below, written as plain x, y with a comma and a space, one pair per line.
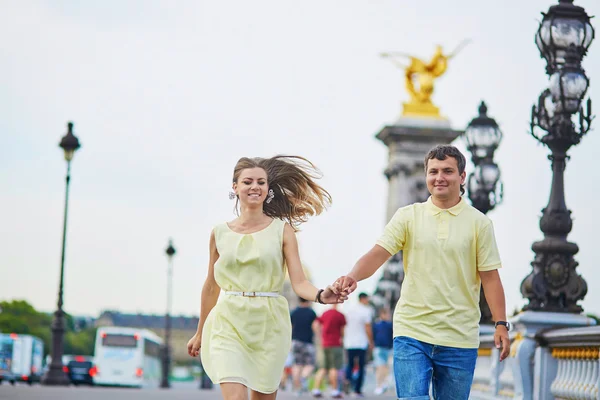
493, 379
568, 362
565, 364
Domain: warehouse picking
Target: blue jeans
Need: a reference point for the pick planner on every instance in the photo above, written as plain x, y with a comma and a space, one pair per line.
418, 364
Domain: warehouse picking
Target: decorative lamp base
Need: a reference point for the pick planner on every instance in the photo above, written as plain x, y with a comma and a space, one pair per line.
55, 377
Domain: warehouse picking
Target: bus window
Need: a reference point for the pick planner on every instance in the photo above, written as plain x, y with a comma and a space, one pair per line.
151, 349
113, 340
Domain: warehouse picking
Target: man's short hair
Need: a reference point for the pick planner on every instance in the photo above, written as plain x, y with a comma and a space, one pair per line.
362, 295
442, 151
302, 300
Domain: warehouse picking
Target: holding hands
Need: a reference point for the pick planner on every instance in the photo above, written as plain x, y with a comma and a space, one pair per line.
345, 284
339, 291
330, 295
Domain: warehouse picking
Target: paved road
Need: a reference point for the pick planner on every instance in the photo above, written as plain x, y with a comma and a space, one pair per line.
180, 391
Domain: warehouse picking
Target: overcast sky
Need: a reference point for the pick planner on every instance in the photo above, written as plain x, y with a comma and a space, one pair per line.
167, 96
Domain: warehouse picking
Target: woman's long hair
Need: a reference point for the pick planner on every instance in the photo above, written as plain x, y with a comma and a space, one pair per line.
292, 179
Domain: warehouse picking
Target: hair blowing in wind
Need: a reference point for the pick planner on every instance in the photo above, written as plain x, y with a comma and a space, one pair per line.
292, 178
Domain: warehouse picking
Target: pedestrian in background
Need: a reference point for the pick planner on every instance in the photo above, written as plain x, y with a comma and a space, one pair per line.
358, 339
303, 348
383, 338
331, 325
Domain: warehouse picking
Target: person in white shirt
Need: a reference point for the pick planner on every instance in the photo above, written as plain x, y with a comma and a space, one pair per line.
357, 340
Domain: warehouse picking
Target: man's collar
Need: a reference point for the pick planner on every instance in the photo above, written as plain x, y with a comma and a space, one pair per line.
435, 210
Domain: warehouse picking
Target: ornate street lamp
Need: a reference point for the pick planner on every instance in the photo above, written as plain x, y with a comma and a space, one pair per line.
565, 28
563, 39
483, 137
484, 185
166, 367
55, 374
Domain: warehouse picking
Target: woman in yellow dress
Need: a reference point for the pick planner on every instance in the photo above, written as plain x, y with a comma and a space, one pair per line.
244, 337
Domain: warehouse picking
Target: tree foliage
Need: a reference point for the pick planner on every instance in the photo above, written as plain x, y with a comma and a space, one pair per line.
18, 316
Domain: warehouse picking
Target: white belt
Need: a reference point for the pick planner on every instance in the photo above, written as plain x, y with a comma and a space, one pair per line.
253, 294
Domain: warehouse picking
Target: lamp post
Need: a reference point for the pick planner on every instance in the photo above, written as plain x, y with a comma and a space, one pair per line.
563, 39
166, 356
55, 374
484, 185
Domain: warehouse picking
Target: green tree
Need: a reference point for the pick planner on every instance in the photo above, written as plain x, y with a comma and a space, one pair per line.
18, 316
81, 343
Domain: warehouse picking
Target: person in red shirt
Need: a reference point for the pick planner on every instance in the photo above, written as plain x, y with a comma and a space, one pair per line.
331, 324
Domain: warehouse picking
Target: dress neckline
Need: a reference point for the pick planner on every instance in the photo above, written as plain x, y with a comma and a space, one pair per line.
250, 233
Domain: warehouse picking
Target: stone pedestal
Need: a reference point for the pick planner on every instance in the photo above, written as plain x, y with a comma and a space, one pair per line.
420, 110
408, 140
531, 383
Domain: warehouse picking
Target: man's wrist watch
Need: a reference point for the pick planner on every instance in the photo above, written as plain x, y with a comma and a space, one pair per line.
503, 323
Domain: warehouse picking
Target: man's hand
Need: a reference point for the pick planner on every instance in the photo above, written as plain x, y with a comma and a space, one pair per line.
345, 284
502, 341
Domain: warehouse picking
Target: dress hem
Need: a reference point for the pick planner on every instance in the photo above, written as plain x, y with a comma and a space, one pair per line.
242, 381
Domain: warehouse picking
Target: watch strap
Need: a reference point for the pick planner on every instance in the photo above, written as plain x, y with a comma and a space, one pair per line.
503, 323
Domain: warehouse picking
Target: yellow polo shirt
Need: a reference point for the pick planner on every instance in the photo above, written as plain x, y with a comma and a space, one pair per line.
443, 250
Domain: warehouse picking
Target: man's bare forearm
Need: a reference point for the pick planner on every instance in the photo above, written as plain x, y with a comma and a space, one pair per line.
494, 294
368, 264
369, 332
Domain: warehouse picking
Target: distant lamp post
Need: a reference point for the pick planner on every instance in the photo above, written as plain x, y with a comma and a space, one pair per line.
484, 185
166, 359
563, 39
55, 374
483, 137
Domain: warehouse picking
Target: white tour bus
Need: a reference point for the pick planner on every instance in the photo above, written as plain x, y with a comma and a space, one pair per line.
127, 357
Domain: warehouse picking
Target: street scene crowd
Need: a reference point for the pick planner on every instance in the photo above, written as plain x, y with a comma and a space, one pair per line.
332, 350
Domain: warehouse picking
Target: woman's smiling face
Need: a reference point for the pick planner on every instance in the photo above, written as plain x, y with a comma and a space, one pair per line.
251, 186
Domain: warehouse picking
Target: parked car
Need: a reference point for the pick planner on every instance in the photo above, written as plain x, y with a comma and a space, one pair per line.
81, 370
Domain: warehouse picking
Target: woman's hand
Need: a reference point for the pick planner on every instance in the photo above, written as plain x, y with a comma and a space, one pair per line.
332, 296
194, 345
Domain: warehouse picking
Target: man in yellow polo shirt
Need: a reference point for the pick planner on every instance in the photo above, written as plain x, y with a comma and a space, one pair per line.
449, 250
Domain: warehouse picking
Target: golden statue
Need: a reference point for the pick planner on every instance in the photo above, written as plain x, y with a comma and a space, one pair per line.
424, 74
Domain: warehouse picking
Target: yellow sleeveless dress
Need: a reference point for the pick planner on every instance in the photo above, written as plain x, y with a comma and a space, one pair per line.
247, 339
